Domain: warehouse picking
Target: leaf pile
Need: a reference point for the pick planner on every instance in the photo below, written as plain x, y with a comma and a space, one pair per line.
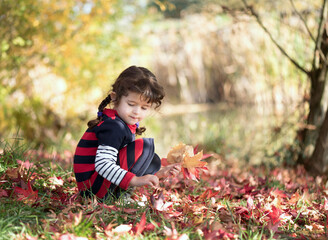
39, 201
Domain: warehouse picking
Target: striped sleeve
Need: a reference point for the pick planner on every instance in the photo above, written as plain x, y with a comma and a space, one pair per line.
111, 135
105, 165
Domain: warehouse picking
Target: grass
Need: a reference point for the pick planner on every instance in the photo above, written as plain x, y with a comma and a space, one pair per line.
227, 203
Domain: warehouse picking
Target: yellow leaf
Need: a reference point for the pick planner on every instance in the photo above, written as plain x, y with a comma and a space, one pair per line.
198, 219
193, 161
178, 152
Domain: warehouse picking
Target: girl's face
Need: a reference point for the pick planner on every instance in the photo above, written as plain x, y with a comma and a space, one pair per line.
132, 108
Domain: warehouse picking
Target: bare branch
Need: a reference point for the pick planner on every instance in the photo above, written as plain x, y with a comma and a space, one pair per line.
323, 17
272, 38
303, 20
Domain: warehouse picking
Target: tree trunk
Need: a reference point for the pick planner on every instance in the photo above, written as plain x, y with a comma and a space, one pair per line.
313, 147
318, 163
317, 110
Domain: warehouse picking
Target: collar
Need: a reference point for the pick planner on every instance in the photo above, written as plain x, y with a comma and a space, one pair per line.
111, 113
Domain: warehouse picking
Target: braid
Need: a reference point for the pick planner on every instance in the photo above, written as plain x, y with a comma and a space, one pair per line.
102, 105
140, 130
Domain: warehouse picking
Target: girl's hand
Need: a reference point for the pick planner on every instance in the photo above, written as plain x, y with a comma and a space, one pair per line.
150, 180
170, 170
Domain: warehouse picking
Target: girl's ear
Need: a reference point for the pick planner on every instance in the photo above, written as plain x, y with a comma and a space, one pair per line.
113, 96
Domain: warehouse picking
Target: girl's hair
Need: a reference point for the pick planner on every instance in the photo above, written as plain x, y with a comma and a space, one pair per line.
133, 79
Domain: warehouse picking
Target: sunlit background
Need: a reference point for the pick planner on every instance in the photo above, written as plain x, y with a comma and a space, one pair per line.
228, 88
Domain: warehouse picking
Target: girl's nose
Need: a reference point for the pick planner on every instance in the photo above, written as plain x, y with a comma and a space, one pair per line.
136, 110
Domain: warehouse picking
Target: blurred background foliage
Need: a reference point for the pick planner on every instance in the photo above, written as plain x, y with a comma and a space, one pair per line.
59, 58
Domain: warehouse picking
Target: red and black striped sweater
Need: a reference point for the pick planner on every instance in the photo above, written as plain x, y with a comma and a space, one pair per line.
95, 160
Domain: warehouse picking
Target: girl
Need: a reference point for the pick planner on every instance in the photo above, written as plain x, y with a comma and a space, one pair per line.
108, 159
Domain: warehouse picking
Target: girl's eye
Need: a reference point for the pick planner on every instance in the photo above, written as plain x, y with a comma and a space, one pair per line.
130, 104
144, 108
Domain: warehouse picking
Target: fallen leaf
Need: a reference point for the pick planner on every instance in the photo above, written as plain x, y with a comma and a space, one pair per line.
198, 219
243, 212
108, 229
13, 173
274, 216
26, 194
142, 224
28, 237
109, 207
207, 194
3, 193
130, 210
57, 181
69, 236
123, 228
77, 218
294, 198
278, 193
25, 164
250, 203
172, 233
218, 234
158, 203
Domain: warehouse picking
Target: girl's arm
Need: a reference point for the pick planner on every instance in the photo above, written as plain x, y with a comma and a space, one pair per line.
105, 165
110, 136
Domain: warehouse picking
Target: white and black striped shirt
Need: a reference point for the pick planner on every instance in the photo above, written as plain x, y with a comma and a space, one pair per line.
105, 164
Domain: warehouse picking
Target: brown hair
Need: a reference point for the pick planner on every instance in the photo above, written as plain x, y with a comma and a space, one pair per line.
133, 79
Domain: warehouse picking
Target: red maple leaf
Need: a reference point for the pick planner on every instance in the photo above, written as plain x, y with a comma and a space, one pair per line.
164, 162
26, 194
275, 219
247, 189
243, 212
141, 226
278, 193
208, 193
3, 193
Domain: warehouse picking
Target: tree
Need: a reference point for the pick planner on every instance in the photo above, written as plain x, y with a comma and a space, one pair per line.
313, 138
73, 45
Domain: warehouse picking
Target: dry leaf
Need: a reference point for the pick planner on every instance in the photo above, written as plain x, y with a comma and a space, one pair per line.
190, 161
177, 153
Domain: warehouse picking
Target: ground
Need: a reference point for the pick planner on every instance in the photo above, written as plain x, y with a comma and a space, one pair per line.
39, 200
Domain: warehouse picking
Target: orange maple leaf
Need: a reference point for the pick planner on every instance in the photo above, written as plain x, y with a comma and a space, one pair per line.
178, 153
193, 161
190, 162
